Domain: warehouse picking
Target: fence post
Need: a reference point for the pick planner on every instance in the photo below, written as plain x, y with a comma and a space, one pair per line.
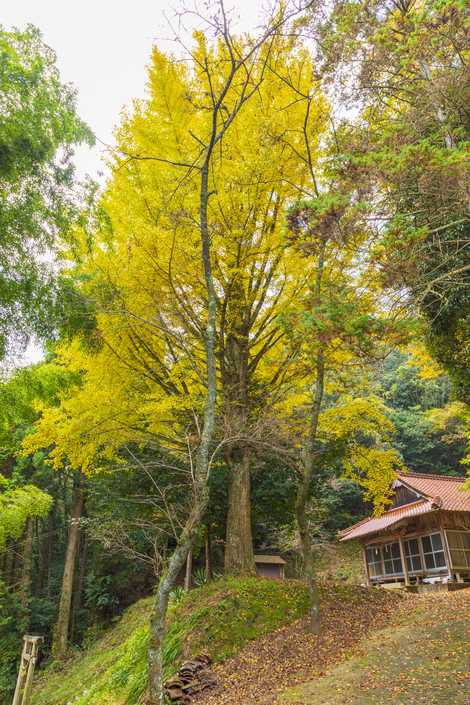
29, 656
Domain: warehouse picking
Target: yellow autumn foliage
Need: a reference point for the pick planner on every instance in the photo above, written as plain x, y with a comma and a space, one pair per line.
143, 374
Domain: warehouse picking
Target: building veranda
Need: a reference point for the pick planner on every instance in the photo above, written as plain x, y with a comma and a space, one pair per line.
424, 536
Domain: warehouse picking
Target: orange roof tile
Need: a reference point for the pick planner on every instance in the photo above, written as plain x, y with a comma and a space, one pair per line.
438, 492
450, 489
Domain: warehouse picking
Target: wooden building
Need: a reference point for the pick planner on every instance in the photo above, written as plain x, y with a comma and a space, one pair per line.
270, 566
424, 536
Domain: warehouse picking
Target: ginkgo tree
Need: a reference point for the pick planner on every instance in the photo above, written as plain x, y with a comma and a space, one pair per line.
262, 168
146, 282
157, 267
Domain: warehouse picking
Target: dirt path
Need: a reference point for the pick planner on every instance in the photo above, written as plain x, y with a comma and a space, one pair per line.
424, 659
378, 651
290, 656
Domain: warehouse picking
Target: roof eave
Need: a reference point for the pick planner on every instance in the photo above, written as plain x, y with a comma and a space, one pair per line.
390, 526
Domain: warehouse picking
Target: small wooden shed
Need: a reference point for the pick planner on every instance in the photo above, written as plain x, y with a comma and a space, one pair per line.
424, 536
270, 566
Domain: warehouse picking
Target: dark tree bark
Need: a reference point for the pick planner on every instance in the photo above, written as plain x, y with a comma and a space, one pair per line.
61, 630
239, 554
77, 597
43, 557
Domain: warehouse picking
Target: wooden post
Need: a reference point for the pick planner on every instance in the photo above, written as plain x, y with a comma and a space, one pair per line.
21, 675
421, 555
366, 565
403, 561
447, 555
61, 629
24, 684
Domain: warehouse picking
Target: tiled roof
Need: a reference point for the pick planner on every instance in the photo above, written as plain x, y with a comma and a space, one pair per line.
437, 492
450, 489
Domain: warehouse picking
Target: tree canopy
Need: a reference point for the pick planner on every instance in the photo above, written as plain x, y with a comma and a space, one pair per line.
39, 128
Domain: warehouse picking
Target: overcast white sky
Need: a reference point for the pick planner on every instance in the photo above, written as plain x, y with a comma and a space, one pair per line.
103, 47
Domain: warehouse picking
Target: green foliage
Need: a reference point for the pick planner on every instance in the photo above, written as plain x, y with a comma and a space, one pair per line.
17, 506
410, 150
199, 577
20, 396
13, 622
426, 446
38, 130
98, 593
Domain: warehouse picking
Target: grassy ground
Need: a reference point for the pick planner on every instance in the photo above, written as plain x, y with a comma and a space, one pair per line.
219, 618
424, 658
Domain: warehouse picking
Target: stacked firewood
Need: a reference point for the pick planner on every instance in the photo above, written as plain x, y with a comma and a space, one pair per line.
192, 677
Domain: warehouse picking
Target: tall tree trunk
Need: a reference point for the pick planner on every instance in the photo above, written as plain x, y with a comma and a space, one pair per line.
239, 558
308, 467
77, 599
47, 551
27, 564
202, 466
239, 555
61, 630
43, 557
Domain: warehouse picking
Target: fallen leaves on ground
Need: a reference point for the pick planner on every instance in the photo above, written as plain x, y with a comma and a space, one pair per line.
420, 658
292, 655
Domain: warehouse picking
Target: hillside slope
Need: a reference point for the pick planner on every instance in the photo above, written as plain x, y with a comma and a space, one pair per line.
225, 618
262, 670
218, 618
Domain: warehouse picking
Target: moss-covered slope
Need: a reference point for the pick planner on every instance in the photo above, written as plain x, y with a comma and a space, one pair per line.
218, 618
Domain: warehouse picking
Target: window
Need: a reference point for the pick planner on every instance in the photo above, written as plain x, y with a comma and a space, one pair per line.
374, 561
423, 553
433, 551
413, 556
392, 559
459, 547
